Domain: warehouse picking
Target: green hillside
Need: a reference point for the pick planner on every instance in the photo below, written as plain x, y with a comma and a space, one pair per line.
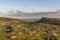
13, 29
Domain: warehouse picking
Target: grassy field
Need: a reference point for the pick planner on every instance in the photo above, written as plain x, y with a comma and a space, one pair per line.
22, 30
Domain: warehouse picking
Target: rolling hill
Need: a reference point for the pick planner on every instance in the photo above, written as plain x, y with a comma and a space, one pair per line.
43, 29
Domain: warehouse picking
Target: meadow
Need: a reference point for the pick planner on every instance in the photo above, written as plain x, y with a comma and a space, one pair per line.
13, 29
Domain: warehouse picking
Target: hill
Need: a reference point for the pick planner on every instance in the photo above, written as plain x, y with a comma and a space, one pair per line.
55, 21
15, 29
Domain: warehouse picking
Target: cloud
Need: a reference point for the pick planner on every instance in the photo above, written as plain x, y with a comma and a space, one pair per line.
24, 15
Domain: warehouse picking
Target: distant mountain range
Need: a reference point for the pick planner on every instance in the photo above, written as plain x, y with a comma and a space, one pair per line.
54, 21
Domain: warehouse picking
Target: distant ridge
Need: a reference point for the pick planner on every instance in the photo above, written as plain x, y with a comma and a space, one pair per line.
55, 21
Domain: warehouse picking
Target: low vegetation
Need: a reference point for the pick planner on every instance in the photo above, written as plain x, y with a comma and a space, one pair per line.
13, 29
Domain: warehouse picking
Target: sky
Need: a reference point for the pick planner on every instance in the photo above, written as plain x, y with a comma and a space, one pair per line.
30, 5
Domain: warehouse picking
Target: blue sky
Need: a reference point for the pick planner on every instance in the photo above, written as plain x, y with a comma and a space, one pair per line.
28, 5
